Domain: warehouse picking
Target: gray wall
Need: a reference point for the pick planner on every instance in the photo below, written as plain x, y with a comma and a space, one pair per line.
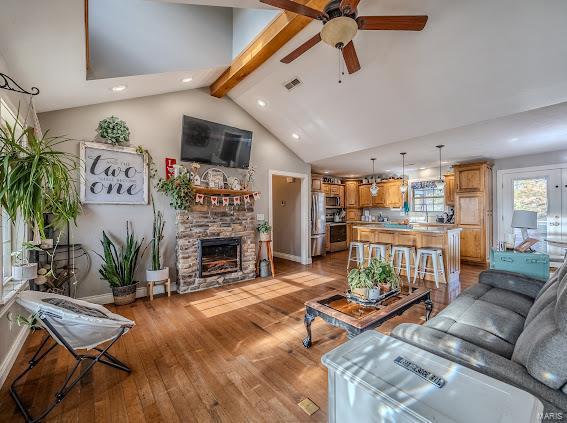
517, 162
247, 24
155, 123
123, 40
286, 211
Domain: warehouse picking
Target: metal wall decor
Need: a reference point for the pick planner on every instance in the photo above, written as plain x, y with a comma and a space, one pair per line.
7, 83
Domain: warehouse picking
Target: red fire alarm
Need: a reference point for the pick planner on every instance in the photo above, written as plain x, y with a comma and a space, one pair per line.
169, 170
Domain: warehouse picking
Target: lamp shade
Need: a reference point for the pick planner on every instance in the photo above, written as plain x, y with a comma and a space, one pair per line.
524, 219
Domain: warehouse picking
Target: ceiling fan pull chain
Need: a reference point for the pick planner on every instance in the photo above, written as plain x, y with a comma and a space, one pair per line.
340, 78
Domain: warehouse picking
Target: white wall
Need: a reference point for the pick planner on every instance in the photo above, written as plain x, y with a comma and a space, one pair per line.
247, 24
123, 40
286, 213
155, 123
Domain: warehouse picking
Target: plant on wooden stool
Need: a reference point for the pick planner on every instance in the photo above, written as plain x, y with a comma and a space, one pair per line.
382, 274
118, 267
359, 282
265, 230
156, 272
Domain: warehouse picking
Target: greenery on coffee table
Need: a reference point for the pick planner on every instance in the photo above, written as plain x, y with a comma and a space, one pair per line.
114, 131
382, 273
118, 267
359, 278
180, 191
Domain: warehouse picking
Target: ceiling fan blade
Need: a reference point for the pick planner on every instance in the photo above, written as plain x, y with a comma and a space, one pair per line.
350, 4
302, 49
294, 7
351, 59
395, 23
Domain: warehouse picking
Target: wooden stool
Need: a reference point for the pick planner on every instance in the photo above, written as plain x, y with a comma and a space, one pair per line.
166, 284
269, 253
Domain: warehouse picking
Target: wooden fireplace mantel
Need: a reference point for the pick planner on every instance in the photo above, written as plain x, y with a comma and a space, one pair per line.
221, 191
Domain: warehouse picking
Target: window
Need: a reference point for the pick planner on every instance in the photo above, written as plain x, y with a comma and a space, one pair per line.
427, 197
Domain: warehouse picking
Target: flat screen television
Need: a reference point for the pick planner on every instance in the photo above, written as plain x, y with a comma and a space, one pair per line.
215, 144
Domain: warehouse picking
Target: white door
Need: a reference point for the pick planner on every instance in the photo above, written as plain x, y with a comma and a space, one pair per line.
540, 191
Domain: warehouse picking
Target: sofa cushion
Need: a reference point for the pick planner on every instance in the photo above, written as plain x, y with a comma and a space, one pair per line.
518, 303
542, 346
558, 275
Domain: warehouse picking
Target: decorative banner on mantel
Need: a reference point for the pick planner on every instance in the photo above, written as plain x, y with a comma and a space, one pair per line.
215, 200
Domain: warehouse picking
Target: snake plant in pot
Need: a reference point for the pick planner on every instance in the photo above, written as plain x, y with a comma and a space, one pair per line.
156, 272
119, 265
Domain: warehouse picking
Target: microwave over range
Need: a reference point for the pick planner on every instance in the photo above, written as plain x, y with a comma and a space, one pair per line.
332, 201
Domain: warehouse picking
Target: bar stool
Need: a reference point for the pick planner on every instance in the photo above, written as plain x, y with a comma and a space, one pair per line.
358, 247
399, 253
421, 268
380, 251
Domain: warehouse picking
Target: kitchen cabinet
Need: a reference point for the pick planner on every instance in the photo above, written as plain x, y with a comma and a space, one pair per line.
351, 191
473, 210
349, 233
316, 183
364, 197
353, 215
380, 199
326, 188
392, 195
327, 237
335, 190
449, 189
341, 195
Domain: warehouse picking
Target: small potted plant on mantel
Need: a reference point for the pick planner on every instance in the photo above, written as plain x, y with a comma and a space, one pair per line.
118, 267
265, 231
157, 273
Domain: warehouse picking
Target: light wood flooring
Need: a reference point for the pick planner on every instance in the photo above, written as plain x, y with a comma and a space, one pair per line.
231, 354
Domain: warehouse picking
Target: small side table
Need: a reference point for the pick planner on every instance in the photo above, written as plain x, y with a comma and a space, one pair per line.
270, 256
165, 282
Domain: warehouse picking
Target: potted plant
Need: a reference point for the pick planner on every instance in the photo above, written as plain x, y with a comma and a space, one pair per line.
118, 267
265, 231
383, 275
22, 269
359, 282
113, 131
156, 272
179, 189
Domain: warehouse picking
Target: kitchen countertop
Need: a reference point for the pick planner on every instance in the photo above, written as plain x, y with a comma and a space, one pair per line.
336, 223
363, 222
416, 228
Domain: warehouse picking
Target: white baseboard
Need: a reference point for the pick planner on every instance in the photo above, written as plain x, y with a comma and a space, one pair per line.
291, 257
141, 291
13, 354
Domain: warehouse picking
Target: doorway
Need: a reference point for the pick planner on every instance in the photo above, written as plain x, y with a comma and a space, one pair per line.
288, 215
539, 189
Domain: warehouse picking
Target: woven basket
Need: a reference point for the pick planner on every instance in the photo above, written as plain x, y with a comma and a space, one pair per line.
124, 294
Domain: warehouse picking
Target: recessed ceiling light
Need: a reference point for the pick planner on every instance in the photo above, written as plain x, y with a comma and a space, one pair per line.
188, 79
387, 170
295, 136
326, 172
422, 168
119, 88
514, 139
261, 103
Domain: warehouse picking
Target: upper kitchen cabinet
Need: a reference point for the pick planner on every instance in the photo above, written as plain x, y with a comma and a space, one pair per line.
393, 197
364, 197
450, 189
472, 177
351, 191
316, 183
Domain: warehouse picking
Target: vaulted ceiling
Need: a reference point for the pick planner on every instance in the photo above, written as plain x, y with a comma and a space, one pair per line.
485, 77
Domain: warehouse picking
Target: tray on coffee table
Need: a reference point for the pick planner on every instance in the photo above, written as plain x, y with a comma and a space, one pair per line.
336, 309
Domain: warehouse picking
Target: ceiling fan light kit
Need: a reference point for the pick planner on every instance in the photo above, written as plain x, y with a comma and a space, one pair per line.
341, 23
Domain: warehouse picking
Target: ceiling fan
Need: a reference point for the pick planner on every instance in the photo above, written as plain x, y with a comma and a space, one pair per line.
341, 23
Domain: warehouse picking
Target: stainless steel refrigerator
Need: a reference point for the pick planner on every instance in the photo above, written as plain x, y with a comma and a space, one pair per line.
318, 224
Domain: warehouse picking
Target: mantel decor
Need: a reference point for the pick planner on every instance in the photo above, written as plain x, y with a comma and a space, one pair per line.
113, 175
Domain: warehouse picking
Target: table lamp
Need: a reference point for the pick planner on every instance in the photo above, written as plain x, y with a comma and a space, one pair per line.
524, 220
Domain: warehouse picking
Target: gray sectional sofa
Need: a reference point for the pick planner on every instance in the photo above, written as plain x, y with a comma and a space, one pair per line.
508, 326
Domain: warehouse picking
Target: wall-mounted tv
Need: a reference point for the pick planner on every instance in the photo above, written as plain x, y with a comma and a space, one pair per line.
216, 144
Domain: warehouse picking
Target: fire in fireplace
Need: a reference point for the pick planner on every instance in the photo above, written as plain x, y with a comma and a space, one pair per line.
219, 255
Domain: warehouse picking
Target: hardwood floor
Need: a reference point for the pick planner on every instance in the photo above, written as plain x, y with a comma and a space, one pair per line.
231, 354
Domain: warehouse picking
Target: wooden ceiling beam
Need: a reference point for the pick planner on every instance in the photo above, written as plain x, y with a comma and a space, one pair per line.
265, 45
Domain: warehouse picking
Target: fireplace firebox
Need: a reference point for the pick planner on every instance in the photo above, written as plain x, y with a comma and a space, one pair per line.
219, 255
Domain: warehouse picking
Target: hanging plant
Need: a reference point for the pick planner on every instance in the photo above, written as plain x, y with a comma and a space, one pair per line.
180, 191
114, 131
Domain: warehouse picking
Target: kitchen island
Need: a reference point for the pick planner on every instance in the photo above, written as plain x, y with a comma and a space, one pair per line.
446, 237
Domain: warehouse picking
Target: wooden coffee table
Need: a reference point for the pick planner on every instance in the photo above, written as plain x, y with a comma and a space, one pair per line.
334, 308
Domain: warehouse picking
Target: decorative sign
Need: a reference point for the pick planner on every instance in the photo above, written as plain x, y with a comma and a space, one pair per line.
169, 167
113, 175
420, 371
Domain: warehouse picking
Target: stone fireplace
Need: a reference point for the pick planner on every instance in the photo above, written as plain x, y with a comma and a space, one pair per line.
215, 248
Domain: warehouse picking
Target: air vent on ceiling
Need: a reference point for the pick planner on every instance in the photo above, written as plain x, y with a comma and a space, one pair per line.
292, 84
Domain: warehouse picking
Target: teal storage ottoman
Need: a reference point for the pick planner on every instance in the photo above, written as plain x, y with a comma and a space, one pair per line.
535, 265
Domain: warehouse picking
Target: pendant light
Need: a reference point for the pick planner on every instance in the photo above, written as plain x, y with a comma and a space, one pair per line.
374, 187
403, 187
440, 183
